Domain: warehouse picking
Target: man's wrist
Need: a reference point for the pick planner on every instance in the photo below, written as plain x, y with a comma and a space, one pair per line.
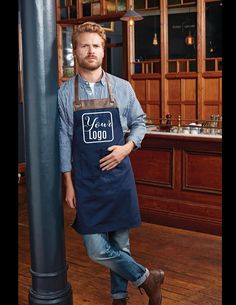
130, 146
67, 179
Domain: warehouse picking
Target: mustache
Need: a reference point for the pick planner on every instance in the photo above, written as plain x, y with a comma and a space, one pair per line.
91, 56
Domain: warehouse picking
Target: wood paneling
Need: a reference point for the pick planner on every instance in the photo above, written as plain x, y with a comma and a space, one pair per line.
179, 181
140, 89
174, 90
153, 92
148, 93
182, 98
153, 160
188, 90
189, 111
195, 166
212, 101
212, 86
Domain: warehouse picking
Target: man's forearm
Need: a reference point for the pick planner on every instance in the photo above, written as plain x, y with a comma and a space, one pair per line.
67, 179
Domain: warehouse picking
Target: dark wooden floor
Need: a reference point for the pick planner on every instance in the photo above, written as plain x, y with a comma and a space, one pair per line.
191, 261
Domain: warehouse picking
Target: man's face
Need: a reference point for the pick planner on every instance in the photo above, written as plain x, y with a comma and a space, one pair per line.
89, 51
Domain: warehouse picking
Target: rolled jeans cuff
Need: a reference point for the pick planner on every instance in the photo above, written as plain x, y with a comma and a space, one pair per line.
120, 296
142, 279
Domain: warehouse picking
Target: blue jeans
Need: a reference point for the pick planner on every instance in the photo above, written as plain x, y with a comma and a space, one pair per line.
112, 250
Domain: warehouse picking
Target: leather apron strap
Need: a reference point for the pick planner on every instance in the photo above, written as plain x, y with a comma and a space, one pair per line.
109, 102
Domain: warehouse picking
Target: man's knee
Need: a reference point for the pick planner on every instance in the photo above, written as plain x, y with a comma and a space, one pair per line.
100, 254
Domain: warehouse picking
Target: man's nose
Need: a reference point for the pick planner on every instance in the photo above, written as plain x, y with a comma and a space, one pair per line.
91, 49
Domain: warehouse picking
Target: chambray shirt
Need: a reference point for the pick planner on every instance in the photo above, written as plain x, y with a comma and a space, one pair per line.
131, 114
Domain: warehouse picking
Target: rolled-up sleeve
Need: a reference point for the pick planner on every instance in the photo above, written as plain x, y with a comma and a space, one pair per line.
65, 129
135, 119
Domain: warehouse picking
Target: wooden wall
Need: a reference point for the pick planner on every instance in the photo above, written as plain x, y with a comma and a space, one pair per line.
148, 92
192, 93
181, 96
212, 95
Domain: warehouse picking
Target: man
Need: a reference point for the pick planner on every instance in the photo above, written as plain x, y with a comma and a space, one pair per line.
96, 111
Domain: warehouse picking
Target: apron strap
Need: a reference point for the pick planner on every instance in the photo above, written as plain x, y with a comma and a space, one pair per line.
109, 87
77, 102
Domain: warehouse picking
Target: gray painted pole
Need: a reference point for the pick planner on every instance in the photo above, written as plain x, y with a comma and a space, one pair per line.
46, 225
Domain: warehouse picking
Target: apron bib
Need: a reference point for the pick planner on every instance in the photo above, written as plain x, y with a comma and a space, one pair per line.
105, 200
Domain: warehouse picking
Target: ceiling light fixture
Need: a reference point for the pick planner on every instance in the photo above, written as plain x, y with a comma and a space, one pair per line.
131, 16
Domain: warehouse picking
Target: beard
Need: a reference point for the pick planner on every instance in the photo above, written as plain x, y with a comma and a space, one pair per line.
91, 66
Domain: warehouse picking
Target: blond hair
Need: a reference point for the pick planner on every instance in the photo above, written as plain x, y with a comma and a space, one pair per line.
88, 27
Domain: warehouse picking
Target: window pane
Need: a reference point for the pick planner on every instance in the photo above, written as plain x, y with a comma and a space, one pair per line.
180, 26
157, 67
183, 66
86, 8
172, 66
73, 13
172, 2
210, 65
153, 3
138, 68
114, 52
63, 9
193, 66
213, 29
121, 5
68, 59
189, 1
139, 4
111, 6
144, 34
220, 65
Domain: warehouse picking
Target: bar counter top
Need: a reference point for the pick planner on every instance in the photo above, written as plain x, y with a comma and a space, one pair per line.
162, 134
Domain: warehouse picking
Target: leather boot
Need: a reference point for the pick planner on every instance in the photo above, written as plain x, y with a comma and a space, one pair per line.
152, 287
119, 302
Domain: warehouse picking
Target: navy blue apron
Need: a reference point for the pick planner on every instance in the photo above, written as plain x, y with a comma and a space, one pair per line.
105, 200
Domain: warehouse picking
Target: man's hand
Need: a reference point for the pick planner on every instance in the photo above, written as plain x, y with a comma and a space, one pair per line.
70, 197
118, 153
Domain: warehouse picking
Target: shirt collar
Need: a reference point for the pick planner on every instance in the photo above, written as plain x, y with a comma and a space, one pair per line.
84, 82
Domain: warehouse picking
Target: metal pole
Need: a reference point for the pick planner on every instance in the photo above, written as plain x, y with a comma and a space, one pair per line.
48, 265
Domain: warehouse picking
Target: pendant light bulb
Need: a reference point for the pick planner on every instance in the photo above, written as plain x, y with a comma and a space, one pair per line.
189, 40
131, 22
211, 48
155, 41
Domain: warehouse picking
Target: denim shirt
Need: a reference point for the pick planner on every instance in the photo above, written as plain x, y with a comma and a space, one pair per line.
131, 114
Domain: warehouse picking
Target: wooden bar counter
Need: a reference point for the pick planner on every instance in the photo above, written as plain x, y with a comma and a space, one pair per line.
179, 180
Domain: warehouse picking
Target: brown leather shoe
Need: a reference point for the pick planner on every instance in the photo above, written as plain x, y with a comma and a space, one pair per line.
152, 287
119, 302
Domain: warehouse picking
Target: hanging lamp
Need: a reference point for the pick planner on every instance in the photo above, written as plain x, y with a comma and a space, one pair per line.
189, 39
155, 41
131, 16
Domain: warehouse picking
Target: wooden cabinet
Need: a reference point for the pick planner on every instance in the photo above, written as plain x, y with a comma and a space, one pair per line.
179, 181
